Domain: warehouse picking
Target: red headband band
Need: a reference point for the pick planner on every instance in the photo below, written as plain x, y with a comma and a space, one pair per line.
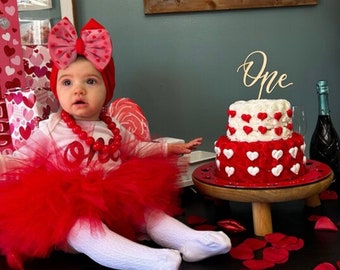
94, 44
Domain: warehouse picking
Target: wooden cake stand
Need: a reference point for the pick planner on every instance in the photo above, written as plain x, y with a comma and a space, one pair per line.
317, 178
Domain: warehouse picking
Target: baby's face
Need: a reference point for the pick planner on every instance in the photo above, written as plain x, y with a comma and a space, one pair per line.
81, 90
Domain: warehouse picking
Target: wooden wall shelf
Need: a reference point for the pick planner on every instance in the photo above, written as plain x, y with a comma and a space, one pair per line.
174, 6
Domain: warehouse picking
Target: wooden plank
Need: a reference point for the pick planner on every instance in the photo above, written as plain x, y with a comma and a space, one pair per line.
171, 6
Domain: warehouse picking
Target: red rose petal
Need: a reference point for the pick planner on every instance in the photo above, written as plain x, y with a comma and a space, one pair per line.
241, 252
325, 266
275, 255
195, 220
274, 237
328, 195
324, 223
338, 264
258, 264
231, 225
298, 245
205, 227
254, 243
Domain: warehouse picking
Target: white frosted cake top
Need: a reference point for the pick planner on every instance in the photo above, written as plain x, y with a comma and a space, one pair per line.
259, 120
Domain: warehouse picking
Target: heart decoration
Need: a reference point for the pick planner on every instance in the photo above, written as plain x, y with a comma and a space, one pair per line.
25, 132
277, 170
229, 171
278, 116
278, 131
262, 129
295, 168
253, 170
231, 130
277, 154
228, 153
290, 113
9, 51
13, 83
246, 117
293, 151
252, 155
262, 116
290, 126
247, 129
231, 113
217, 150
10, 10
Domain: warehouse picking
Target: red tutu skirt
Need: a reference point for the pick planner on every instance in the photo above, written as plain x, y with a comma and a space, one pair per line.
39, 206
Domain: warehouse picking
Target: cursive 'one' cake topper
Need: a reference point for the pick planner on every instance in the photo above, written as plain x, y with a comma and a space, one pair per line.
267, 79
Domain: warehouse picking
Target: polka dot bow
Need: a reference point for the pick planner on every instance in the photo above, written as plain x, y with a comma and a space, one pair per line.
94, 44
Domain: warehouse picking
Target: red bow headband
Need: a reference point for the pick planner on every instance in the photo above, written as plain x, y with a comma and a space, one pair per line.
94, 44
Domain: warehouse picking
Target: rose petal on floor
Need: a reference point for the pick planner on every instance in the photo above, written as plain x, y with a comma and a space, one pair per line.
325, 266
242, 252
254, 243
289, 243
258, 264
328, 195
275, 255
274, 237
324, 223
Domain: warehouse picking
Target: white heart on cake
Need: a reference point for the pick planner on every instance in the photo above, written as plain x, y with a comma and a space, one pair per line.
253, 170
218, 164
303, 147
295, 168
217, 150
293, 151
252, 155
229, 171
277, 154
228, 153
277, 170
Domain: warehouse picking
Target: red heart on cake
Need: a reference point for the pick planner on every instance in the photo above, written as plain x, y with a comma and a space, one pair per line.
262, 129
231, 113
262, 116
246, 117
289, 113
290, 126
278, 131
278, 116
247, 129
231, 130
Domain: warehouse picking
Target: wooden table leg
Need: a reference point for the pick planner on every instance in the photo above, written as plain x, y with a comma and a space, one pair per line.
313, 201
262, 218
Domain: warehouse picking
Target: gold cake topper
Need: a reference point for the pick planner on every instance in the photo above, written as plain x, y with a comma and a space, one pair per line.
269, 80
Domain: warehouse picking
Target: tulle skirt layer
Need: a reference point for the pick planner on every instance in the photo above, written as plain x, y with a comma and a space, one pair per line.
39, 206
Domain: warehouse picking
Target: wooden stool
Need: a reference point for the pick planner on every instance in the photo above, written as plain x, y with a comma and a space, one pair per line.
317, 178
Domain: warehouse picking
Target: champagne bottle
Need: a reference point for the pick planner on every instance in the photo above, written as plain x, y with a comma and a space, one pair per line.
325, 143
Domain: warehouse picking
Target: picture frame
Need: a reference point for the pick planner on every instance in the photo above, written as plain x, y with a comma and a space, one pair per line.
176, 6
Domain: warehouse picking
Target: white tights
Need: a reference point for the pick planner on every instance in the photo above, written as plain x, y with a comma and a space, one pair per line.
114, 251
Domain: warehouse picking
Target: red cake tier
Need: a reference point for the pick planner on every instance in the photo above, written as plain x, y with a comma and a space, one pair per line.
260, 162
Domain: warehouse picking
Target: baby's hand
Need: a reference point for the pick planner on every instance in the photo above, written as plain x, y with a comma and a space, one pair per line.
183, 148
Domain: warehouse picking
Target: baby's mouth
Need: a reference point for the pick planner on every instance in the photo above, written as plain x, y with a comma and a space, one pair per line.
79, 102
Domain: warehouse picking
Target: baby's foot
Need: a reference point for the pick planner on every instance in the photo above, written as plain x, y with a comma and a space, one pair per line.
209, 244
169, 259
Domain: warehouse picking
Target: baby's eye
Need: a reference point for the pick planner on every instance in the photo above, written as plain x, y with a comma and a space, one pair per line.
66, 82
91, 81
